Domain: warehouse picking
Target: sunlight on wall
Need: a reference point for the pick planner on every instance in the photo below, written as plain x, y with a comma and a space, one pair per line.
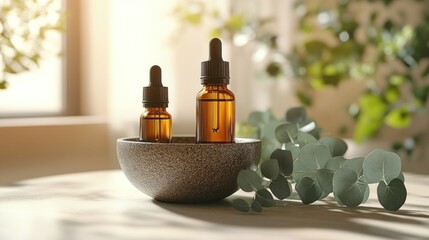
142, 34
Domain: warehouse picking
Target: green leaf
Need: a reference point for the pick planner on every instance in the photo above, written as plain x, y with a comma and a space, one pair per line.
256, 206
258, 119
355, 164
324, 178
286, 132
293, 149
284, 160
347, 188
249, 181
311, 158
336, 163
281, 188
265, 198
308, 190
398, 118
401, 177
365, 196
268, 131
381, 165
305, 138
268, 146
296, 115
370, 118
324, 195
304, 98
270, 169
392, 196
241, 205
337, 146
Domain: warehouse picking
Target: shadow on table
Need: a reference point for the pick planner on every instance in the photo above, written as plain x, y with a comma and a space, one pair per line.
327, 215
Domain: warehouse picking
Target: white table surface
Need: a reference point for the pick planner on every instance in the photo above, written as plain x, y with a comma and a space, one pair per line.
104, 205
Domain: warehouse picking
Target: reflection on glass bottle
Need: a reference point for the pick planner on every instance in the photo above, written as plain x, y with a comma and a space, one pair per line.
155, 121
215, 102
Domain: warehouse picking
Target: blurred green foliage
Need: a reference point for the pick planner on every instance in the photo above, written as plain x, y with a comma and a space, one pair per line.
25, 26
343, 40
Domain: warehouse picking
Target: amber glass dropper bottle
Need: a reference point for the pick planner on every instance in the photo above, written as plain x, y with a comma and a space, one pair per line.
215, 102
155, 121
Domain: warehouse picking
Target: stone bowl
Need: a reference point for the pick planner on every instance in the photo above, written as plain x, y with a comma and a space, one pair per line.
184, 171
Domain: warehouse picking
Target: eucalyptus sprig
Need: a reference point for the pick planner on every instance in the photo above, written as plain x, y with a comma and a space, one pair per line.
315, 165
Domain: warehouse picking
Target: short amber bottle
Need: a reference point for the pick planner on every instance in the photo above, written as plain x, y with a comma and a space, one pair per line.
155, 121
215, 102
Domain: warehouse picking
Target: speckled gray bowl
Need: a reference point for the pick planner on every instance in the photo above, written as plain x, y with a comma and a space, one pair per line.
183, 171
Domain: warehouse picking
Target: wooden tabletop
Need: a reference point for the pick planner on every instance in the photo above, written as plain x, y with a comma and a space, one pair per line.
104, 205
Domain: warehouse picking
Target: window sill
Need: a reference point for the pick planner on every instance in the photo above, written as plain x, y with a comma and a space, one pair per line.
52, 121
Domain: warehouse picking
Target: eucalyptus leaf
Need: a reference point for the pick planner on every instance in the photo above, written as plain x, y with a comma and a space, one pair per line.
392, 196
324, 195
281, 188
268, 131
264, 197
381, 165
308, 190
365, 195
311, 158
268, 146
336, 163
257, 119
324, 178
401, 177
270, 169
355, 164
347, 187
305, 138
294, 150
286, 132
256, 206
284, 159
249, 181
338, 147
296, 115
241, 205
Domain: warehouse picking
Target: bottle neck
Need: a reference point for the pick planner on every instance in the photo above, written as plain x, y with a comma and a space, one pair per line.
156, 109
215, 86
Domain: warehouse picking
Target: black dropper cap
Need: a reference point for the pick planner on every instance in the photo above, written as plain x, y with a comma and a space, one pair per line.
215, 70
155, 95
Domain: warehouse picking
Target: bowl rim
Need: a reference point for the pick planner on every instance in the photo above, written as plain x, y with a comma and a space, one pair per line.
134, 140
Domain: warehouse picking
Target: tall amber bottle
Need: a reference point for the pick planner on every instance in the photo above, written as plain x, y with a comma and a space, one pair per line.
215, 102
155, 121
